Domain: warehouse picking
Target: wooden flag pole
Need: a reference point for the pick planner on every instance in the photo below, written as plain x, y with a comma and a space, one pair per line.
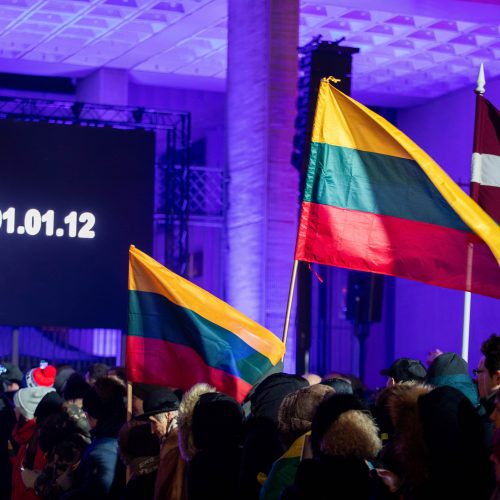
479, 90
129, 418
290, 300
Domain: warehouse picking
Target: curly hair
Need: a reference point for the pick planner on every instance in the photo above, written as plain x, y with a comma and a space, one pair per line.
491, 351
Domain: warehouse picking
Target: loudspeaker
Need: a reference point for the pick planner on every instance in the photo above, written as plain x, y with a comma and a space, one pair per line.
364, 297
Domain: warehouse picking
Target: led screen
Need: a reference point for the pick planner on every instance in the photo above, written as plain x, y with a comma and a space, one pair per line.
72, 200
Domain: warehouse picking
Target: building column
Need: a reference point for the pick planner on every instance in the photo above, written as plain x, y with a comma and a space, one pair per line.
263, 189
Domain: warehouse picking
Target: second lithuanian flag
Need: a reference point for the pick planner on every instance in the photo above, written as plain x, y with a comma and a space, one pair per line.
374, 201
179, 334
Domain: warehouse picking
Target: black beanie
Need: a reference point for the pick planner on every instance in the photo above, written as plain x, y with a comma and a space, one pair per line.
268, 395
50, 404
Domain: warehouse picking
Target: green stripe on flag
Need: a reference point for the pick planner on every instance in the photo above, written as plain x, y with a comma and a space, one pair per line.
376, 183
153, 316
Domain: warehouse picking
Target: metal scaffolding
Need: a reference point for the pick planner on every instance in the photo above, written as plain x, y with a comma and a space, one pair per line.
172, 130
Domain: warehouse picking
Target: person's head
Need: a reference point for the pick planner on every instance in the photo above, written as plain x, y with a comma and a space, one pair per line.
50, 404
341, 426
105, 400
63, 372
95, 372
312, 378
404, 370
75, 388
41, 376
297, 410
268, 395
160, 410
26, 400
488, 370
118, 373
217, 422
339, 385
10, 377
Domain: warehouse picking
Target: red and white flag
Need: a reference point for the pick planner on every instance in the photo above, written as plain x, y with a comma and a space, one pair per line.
485, 183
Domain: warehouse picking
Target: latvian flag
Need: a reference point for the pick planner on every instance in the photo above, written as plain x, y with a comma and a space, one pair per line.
485, 183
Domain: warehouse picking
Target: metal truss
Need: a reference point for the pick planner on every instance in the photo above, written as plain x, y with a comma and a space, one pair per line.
173, 136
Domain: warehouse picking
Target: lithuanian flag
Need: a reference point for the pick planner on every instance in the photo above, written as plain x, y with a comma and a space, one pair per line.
179, 334
374, 201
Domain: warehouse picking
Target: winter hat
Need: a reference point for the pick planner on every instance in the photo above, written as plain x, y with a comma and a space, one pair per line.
297, 409
326, 415
159, 401
268, 395
451, 370
61, 378
27, 399
10, 373
339, 385
406, 369
50, 404
43, 376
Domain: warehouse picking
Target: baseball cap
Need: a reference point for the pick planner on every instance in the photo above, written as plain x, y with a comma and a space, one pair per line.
406, 369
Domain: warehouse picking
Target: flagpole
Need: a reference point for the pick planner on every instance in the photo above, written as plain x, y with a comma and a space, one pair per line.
479, 90
290, 299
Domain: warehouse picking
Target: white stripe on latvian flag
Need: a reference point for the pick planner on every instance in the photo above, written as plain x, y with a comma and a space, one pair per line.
486, 169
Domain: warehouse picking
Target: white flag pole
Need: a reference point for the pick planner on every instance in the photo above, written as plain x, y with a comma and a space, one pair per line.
479, 90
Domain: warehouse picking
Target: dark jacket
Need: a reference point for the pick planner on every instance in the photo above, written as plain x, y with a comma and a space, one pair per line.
100, 474
7, 423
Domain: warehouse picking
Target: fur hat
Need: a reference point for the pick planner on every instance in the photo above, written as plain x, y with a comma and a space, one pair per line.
297, 409
26, 400
43, 376
185, 419
342, 427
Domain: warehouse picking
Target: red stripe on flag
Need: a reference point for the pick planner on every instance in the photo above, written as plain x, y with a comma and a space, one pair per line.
487, 129
399, 247
153, 361
488, 198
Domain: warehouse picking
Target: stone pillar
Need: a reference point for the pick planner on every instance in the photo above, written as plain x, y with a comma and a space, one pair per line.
104, 86
263, 189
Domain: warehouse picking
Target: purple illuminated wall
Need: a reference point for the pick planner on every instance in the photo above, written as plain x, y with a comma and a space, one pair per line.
428, 317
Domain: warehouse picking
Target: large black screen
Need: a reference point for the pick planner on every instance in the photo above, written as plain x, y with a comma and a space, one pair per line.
72, 200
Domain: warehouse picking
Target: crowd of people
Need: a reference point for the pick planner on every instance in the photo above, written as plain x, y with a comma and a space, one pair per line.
431, 433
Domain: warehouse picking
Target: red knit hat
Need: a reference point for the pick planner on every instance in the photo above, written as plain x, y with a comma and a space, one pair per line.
44, 376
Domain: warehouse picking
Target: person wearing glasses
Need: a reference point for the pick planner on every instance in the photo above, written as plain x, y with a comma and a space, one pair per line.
488, 372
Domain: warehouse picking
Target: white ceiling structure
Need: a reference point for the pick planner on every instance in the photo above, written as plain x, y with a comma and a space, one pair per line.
410, 50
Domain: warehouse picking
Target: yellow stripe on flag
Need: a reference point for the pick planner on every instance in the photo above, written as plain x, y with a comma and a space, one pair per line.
147, 275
